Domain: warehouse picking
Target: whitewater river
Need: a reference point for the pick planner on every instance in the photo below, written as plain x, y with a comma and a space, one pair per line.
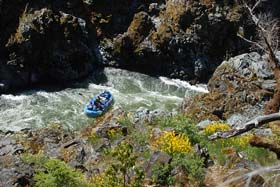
40, 107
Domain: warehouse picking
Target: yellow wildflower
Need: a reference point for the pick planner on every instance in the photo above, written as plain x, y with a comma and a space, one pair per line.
171, 142
215, 127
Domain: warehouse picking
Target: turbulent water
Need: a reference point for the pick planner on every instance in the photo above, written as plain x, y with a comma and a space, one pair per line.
38, 108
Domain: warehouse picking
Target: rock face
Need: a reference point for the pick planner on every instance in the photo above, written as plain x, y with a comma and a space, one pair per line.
180, 39
239, 86
62, 41
51, 45
47, 44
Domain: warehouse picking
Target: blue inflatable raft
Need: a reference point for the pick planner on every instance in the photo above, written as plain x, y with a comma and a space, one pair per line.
106, 100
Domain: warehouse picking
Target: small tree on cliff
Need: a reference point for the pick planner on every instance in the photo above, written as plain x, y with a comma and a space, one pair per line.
268, 39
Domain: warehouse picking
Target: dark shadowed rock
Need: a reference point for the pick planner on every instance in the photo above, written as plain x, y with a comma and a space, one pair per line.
48, 46
60, 41
179, 39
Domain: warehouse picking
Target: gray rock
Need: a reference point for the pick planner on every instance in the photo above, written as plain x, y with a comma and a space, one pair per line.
8, 146
145, 115
267, 132
17, 176
250, 64
13, 171
237, 120
203, 124
6, 141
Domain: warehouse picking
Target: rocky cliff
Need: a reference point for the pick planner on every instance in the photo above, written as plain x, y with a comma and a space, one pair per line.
61, 41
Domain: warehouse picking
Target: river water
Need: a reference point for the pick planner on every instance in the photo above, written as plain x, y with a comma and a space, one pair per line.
40, 107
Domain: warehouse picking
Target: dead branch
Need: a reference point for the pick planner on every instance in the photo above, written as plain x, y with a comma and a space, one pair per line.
255, 123
251, 42
262, 142
267, 27
268, 34
250, 175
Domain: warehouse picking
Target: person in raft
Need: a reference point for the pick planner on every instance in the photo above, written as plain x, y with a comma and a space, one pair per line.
90, 106
98, 103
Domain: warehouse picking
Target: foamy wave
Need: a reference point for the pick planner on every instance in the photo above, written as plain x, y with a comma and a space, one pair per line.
38, 108
179, 83
14, 97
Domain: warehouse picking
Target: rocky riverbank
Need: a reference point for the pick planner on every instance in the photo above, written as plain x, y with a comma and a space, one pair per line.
92, 152
77, 149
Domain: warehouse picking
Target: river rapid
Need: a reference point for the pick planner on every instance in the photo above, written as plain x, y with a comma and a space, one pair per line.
42, 106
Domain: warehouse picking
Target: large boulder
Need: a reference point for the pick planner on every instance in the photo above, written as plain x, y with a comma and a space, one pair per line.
238, 90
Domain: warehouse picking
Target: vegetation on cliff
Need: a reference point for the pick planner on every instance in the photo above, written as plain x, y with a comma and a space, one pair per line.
116, 150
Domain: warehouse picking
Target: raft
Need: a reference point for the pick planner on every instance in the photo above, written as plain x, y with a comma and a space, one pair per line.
97, 111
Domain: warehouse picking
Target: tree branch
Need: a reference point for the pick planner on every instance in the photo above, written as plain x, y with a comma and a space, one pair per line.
257, 4
250, 41
251, 174
255, 123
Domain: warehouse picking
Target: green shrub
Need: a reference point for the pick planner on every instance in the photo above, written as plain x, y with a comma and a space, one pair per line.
39, 159
162, 175
193, 163
182, 124
216, 127
218, 150
114, 134
54, 172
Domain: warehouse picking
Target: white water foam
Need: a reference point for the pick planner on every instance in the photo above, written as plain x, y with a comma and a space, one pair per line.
13, 97
180, 83
130, 90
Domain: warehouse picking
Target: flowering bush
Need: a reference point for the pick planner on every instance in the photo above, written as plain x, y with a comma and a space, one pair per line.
171, 142
215, 127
